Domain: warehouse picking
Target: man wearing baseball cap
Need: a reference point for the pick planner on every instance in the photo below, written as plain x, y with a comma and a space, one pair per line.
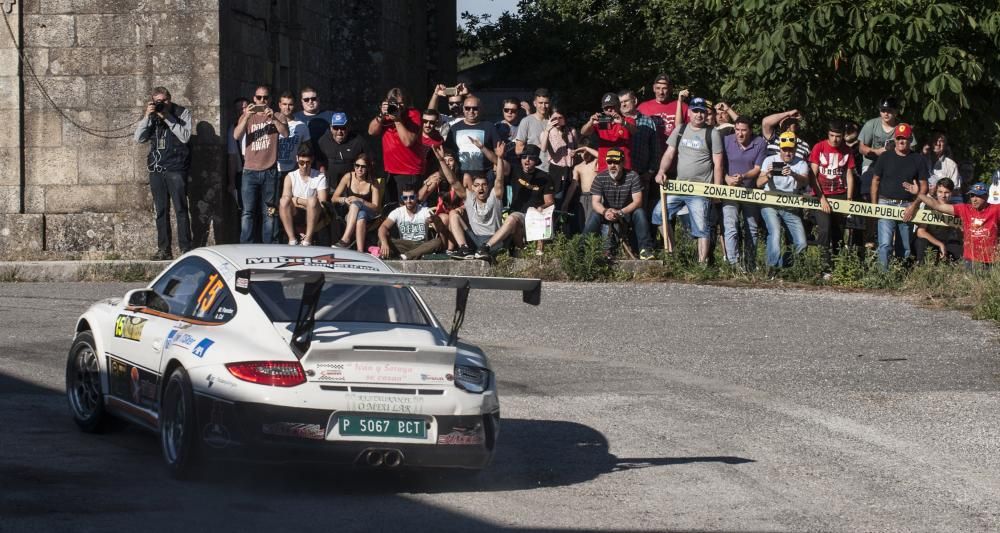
979, 223
889, 173
614, 131
616, 195
338, 148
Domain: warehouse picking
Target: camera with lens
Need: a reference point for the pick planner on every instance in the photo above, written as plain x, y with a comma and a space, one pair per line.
159, 106
604, 121
391, 107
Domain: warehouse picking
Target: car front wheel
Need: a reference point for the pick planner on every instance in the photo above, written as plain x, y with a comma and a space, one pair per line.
83, 384
178, 436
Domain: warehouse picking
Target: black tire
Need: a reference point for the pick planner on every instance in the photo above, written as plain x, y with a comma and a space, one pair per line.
178, 427
83, 385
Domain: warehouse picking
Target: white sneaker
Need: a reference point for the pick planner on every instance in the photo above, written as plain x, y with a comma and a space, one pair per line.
403, 257
306, 243
294, 242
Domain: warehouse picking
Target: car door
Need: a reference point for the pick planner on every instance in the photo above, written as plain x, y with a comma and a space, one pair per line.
196, 332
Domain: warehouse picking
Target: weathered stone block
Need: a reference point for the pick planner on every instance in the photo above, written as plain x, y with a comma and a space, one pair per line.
106, 30
20, 233
113, 91
135, 235
49, 31
74, 62
8, 61
34, 199
38, 59
79, 232
107, 166
81, 198
136, 197
43, 129
9, 130
33, 7
10, 199
116, 123
119, 61
10, 166
88, 6
8, 92
50, 166
66, 91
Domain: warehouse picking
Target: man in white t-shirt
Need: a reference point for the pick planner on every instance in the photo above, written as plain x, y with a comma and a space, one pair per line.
303, 192
298, 132
784, 172
411, 221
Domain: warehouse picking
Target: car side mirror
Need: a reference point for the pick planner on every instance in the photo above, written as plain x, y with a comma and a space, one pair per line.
147, 298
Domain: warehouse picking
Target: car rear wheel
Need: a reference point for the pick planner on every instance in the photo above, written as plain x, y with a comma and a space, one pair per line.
83, 384
178, 435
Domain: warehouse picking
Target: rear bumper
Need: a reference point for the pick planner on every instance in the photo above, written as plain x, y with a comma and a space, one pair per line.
265, 433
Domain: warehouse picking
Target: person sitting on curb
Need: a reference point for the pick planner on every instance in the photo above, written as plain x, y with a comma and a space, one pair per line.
616, 198
412, 222
532, 190
483, 208
979, 223
303, 194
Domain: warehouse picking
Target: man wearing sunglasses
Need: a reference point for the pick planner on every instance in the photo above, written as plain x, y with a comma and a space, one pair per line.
317, 121
507, 127
616, 196
261, 128
411, 221
454, 114
304, 190
338, 148
466, 138
167, 128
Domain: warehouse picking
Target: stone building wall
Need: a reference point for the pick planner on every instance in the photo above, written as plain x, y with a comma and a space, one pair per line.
84, 185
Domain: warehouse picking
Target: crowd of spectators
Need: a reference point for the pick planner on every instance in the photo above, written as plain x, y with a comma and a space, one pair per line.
418, 182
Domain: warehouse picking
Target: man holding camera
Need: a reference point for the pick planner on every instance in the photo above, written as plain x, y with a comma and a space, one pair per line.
259, 191
167, 128
402, 151
614, 132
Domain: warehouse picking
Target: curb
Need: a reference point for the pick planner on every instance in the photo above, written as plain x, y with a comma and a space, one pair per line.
142, 270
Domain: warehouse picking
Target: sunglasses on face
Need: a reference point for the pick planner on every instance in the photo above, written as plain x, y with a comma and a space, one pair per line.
614, 161
510, 110
429, 121
360, 166
305, 162
310, 98
406, 197
471, 108
261, 97
338, 128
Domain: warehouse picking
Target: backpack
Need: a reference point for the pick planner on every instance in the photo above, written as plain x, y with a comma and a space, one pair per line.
708, 140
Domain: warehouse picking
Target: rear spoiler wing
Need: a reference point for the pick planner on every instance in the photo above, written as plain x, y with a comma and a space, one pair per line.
531, 291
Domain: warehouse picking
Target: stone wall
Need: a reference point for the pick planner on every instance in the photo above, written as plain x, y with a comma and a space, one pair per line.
84, 185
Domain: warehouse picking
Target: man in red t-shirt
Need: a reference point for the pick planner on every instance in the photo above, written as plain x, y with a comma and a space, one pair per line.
402, 151
614, 131
663, 110
833, 165
979, 223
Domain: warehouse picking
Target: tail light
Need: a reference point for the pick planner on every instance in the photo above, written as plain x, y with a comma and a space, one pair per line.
273, 373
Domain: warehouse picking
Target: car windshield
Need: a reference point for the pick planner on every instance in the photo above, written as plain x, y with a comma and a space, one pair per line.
341, 303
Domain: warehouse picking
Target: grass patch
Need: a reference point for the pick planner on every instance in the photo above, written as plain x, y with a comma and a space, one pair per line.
127, 272
10, 274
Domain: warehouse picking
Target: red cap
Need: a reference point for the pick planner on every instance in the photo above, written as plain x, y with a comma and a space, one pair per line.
903, 130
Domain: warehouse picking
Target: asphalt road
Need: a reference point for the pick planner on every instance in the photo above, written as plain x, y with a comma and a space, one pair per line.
626, 407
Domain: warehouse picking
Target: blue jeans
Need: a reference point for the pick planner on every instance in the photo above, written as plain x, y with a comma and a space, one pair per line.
638, 219
731, 225
697, 212
793, 221
258, 191
887, 229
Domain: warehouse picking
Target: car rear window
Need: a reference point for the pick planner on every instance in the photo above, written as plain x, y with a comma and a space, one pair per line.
341, 303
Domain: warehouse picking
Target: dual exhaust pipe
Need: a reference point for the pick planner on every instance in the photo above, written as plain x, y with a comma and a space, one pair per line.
387, 458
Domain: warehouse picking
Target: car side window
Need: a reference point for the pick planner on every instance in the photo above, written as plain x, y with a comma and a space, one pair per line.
193, 289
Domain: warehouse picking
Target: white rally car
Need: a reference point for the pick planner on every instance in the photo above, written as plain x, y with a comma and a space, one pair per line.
281, 353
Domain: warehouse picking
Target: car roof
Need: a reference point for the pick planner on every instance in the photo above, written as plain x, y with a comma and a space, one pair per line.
299, 258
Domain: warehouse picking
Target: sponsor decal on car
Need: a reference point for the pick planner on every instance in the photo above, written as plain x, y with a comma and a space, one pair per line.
202, 347
380, 373
129, 327
294, 429
433, 379
461, 436
212, 379
330, 261
385, 403
224, 312
131, 383
330, 375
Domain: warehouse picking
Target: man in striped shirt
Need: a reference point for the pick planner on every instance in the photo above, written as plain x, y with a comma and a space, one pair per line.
617, 197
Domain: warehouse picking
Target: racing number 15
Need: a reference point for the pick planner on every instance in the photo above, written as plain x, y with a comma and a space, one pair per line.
209, 294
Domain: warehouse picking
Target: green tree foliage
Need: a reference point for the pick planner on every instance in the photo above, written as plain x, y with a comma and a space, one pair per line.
828, 58
838, 57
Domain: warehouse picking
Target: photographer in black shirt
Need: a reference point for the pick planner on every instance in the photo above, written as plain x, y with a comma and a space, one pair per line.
167, 128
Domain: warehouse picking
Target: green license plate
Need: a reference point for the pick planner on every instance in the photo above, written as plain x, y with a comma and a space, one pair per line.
382, 426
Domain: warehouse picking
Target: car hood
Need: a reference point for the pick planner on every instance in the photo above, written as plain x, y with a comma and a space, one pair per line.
385, 356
